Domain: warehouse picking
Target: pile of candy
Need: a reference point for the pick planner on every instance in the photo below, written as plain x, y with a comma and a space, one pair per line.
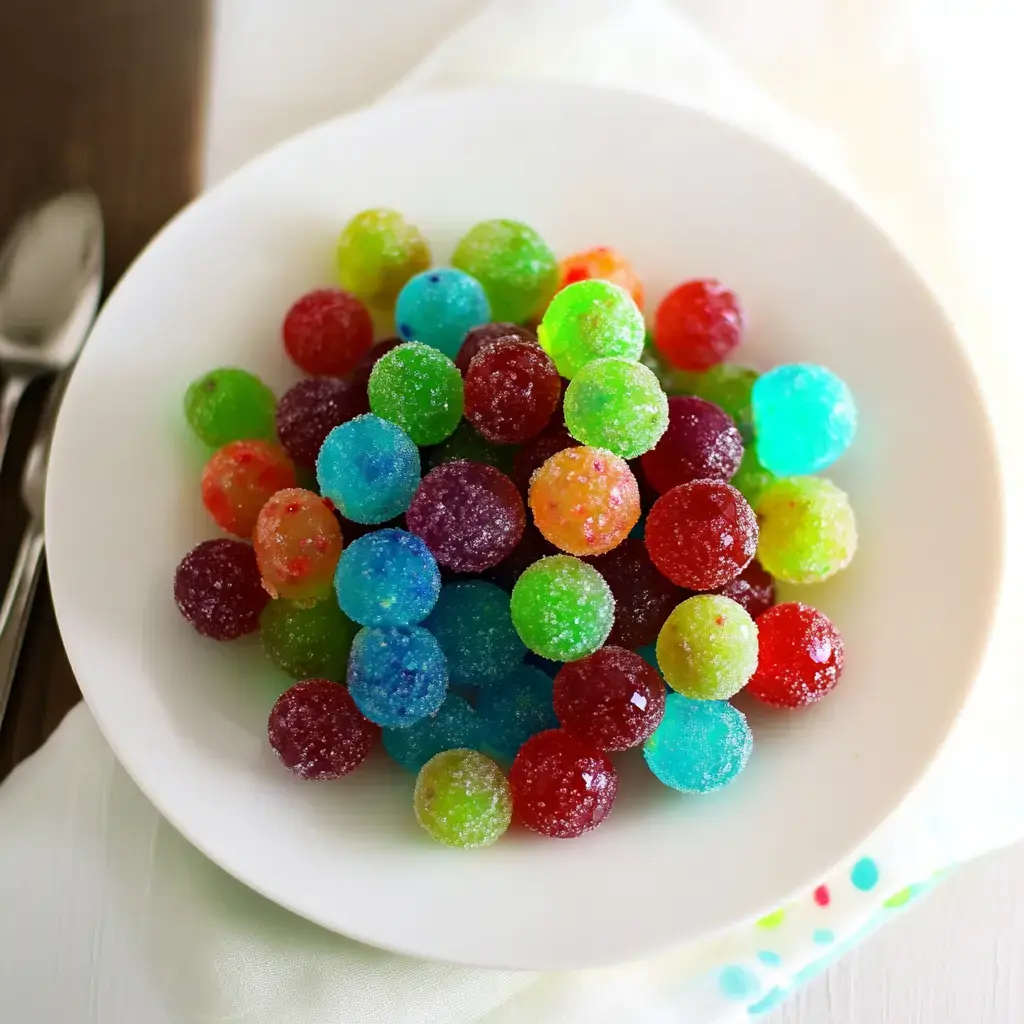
516, 537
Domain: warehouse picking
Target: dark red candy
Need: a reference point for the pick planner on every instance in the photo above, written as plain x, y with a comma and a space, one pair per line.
698, 325
360, 376
327, 332
535, 453
486, 334
309, 411
754, 589
318, 732
217, 588
799, 658
702, 534
532, 546
612, 699
560, 786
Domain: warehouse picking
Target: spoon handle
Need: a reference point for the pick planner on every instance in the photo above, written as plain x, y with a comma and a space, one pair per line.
14, 387
16, 606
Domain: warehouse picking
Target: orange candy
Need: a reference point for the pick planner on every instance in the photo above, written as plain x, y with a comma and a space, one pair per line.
585, 500
605, 264
238, 480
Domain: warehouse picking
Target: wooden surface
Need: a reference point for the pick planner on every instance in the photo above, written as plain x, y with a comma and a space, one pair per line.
108, 94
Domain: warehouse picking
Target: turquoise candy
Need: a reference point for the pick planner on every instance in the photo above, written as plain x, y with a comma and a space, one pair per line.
516, 710
439, 307
454, 726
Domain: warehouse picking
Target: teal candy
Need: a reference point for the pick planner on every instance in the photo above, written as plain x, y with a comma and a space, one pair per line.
454, 726
864, 874
516, 710
439, 307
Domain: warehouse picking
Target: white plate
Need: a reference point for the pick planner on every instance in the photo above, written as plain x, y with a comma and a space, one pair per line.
683, 196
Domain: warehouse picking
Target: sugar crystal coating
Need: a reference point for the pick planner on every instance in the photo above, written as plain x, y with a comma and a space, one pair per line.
604, 263
531, 547
486, 334
698, 324
516, 710
311, 409
753, 589
537, 451
378, 251
230, 405
218, 590
359, 378
729, 386
439, 307
327, 332
238, 481
455, 725
752, 479
308, 641
465, 444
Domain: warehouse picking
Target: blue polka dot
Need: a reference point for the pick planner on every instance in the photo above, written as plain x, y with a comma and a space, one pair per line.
864, 874
738, 983
405, 330
769, 1002
823, 936
768, 958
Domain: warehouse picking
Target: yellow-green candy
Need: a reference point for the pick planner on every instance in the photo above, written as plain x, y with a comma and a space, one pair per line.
378, 251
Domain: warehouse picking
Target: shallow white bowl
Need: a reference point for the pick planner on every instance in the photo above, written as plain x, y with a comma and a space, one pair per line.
683, 196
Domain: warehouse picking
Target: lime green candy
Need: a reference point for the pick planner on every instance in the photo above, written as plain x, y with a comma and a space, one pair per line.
307, 642
378, 251
729, 387
230, 405
462, 799
467, 444
562, 608
591, 320
707, 649
518, 271
807, 529
752, 478
419, 389
616, 404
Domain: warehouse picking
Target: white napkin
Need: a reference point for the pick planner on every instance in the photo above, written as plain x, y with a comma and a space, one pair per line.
109, 916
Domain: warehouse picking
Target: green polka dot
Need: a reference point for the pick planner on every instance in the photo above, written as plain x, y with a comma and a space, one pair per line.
901, 898
772, 920
864, 874
738, 983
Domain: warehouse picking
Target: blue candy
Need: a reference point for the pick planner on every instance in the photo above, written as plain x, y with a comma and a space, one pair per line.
454, 726
369, 468
439, 307
518, 709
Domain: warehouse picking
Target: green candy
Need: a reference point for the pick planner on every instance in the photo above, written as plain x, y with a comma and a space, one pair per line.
467, 444
308, 642
729, 387
378, 251
230, 405
752, 478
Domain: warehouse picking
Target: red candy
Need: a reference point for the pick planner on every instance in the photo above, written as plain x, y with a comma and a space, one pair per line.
701, 534
698, 325
239, 479
535, 453
701, 443
309, 411
327, 332
753, 589
799, 659
611, 699
218, 589
487, 334
560, 786
318, 732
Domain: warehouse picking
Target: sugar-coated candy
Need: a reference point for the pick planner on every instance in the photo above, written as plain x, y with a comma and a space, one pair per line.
702, 534
753, 589
512, 390
396, 675
707, 648
616, 404
804, 418
516, 710
698, 324
729, 386
308, 641
585, 500
473, 624
562, 608
470, 515
453, 726
318, 732
230, 405
419, 389
701, 443
537, 451
808, 530
439, 307
611, 699
531, 547
387, 578
590, 320
378, 251
297, 541
518, 271
311, 409
217, 589
800, 656
465, 444
605, 264
700, 745
369, 468
486, 334
462, 799
751, 478
649, 652
327, 332
359, 378
561, 787
238, 481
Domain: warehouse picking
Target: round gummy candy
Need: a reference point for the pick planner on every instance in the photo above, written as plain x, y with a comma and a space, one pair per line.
419, 389
591, 320
800, 656
369, 468
585, 500
753, 589
462, 799
307, 641
700, 746
378, 251
455, 725
439, 307
612, 699
512, 390
310, 410
751, 479
701, 443
562, 608
513, 263
808, 530
486, 334
561, 787
470, 515
536, 452
616, 404
318, 732
701, 534
707, 648
729, 386
698, 324
360, 376
387, 578
297, 542
473, 625
238, 481
519, 708
465, 444
217, 589
530, 548
605, 264
396, 675
230, 405
327, 332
